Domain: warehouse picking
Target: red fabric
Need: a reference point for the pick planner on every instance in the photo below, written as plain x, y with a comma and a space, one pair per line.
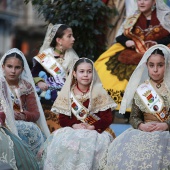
105, 1
31, 109
105, 121
157, 33
30, 106
2, 117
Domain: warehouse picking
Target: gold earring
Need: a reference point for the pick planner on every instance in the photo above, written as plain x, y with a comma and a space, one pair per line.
61, 47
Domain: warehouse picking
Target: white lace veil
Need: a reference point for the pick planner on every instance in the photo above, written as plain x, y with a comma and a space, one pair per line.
51, 31
99, 98
163, 14
26, 75
140, 74
7, 106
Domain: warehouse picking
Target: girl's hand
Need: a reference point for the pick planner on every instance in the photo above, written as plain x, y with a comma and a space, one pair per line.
90, 127
42, 85
19, 116
159, 127
79, 126
146, 127
150, 127
130, 43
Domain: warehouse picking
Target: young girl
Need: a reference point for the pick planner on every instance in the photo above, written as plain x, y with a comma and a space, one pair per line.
84, 109
29, 116
14, 154
52, 65
147, 144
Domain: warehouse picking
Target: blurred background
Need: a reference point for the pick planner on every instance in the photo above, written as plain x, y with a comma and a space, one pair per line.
20, 27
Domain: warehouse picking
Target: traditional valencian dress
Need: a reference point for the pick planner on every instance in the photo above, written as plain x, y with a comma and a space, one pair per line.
14, 154
69, 148
53, 70
24, 100
134, 148
33, 130
116, 65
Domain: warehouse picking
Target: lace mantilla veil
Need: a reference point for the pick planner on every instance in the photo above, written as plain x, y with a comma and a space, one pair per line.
140, 74
26, 75
51, 31
99, 98
69, 56
163, 14
6, 105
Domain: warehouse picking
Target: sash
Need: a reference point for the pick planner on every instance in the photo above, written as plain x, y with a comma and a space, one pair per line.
139, 43
50, 64
82, 114
152, 101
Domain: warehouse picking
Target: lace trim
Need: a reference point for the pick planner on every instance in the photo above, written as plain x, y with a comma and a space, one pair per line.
163, 92
7, 106
12, 162
68, 113
101, 103
25, 88
61, 111
139, 103
98, 104
112, 106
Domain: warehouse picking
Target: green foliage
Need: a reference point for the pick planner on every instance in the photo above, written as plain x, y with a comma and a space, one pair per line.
87, 18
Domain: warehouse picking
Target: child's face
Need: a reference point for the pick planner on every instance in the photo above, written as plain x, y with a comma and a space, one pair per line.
156, 67
12, 69
84, 74
145, 5
67, 40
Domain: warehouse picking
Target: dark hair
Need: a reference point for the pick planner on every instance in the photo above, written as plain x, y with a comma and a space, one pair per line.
16, 55
59, 34
156, 51
82, 60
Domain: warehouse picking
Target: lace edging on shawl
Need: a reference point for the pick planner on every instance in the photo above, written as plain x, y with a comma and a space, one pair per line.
139, 103
68, 113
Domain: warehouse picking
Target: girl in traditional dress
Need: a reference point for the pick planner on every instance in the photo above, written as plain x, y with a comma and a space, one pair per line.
147, 27
14, 154
147, 144
30, 120
84, 109
51, 67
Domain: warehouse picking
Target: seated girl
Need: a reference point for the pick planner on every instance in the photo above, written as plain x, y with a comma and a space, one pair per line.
51, 67
147, 144
30, 120
14, 154
84, 109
